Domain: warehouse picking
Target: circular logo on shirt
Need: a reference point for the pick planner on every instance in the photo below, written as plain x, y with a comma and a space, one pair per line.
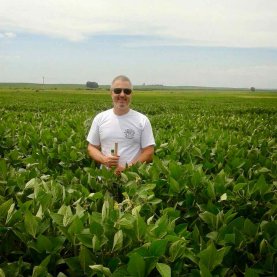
129, 133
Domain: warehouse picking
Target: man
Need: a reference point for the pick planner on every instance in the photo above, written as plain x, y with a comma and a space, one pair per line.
129, 130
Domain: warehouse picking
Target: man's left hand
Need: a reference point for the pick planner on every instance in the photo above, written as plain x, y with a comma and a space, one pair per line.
119, 169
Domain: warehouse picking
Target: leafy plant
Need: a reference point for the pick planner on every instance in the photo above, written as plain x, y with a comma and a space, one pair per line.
206, 206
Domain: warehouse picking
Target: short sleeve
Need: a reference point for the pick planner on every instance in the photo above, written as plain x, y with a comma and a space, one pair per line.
93, 135
147, 137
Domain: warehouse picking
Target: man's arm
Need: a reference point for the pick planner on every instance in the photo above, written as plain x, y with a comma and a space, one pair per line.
146, 155
95, 153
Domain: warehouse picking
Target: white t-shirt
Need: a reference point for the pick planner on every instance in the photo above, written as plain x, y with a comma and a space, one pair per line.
132, 131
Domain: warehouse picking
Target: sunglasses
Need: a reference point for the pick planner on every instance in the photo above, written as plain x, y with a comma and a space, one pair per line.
126, 91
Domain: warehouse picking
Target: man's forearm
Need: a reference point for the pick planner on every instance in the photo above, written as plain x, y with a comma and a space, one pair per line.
146, 155
96, 154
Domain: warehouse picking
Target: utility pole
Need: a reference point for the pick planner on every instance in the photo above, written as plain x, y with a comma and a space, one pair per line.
43, 81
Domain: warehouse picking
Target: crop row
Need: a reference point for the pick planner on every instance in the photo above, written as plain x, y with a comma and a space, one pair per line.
206, 206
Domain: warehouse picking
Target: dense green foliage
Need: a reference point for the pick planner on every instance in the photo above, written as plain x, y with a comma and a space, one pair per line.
207, 206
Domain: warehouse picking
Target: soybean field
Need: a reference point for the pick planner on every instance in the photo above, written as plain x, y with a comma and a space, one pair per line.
206, 206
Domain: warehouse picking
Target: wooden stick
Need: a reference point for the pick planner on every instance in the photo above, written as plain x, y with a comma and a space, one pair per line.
116, 148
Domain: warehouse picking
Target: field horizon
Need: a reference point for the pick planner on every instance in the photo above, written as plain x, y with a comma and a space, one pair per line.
149, 87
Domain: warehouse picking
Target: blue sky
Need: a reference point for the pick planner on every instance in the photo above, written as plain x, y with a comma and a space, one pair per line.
231, 43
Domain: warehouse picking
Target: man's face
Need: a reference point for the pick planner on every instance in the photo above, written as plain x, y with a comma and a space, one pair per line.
121, 101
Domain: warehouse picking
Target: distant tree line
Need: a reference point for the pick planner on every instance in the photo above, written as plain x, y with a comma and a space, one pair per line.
92, 84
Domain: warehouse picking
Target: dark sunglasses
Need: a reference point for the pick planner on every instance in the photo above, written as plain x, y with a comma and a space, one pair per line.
126, 91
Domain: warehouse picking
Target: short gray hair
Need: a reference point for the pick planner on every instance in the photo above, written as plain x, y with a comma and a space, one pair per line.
121, 78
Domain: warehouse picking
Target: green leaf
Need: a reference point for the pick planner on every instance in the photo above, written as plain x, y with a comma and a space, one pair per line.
251, 273
263, 246
239, 186
174, 186
74, 264
136, 265
196, 234
85, 239
95, 195
32, 183
61, 275
209, 218
80, 211
105, 210
264, 170
164, 269
211, 257
230, 238
85, 258
160, 228
126, 222
101, 269
204, 271
2, 273
196, 178
13, 215
57, 218
39, 271
261, 186
68, 217
176, 250
229, 216
31, 224
46, 261
39, 212
44, 243
211, 190
96, 228
140, 227
118, 241
4, 208
76, 226
250, 228
158, 247
120, 272
3, 168
212, 235
95, 243
175, 169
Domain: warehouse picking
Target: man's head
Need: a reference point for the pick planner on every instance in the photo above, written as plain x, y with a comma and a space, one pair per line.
121, 92
121, 78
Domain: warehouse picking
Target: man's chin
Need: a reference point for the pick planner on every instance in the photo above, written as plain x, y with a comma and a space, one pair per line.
122, 109
123, 106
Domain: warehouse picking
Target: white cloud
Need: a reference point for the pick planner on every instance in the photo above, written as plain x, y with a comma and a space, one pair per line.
234, 23
8, 35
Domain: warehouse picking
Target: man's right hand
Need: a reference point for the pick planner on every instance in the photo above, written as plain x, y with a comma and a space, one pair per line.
111, 161
95, 153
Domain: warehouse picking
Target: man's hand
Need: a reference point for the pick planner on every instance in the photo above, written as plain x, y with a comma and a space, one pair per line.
111, 161
95, 154
119, 169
